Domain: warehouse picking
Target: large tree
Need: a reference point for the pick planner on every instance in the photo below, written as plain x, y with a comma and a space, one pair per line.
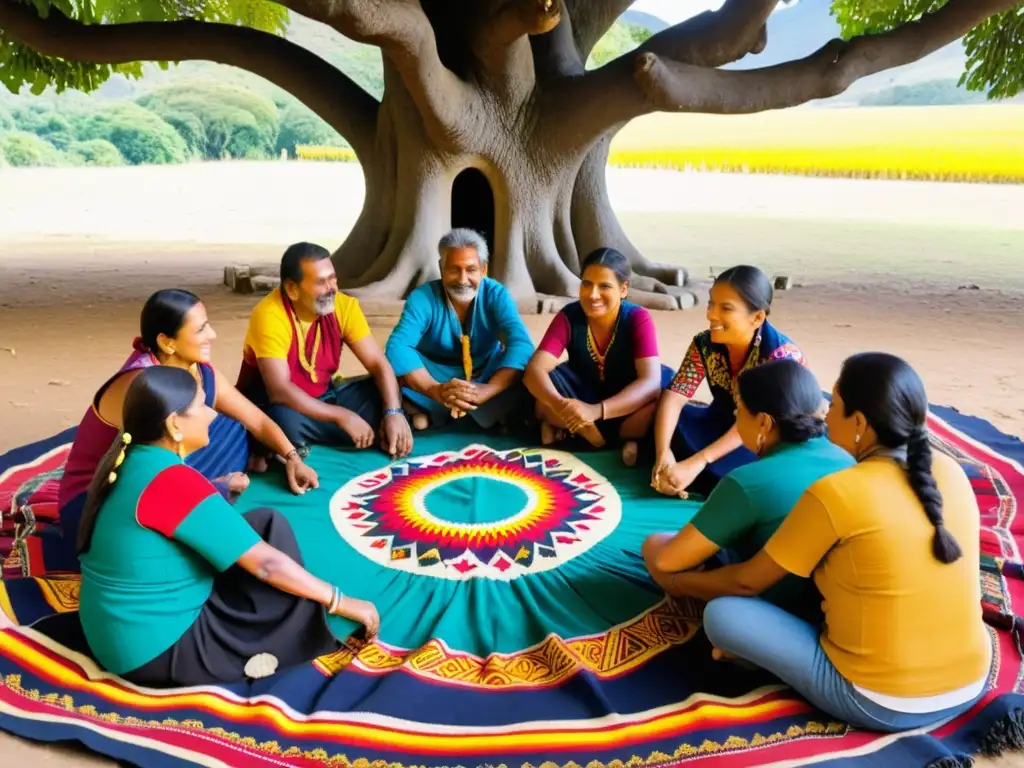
498, 89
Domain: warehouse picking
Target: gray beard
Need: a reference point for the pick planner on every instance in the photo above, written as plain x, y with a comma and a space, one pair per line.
325, 304
462, 294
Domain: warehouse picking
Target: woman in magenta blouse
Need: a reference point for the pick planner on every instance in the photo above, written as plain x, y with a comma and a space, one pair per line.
607, 391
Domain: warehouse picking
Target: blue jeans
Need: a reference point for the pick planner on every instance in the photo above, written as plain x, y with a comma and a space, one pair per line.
789, 648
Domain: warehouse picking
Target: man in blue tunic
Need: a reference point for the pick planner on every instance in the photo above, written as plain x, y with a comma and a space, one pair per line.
460, 347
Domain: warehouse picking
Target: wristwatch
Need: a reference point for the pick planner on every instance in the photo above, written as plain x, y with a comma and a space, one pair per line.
394, 412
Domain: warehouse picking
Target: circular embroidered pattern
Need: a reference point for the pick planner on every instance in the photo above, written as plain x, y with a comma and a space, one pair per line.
477, 513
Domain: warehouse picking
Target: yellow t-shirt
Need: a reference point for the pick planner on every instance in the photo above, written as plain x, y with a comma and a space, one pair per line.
898, 621
271, 333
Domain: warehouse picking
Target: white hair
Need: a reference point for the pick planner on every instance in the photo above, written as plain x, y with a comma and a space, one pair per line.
463, 238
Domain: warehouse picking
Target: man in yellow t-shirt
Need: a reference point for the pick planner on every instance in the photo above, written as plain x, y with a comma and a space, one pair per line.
292, 354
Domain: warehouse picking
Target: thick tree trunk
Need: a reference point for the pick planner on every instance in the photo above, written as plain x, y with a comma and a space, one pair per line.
498, 165
542, 213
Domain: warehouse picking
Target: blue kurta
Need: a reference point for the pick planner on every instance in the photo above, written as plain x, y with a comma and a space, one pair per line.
428, 335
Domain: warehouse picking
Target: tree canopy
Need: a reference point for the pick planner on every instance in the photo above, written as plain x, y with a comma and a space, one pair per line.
995, 46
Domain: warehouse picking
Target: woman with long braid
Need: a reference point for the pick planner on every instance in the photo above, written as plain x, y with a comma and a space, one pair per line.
892, 544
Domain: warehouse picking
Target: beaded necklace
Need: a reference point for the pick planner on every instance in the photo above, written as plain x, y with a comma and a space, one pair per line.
595, 354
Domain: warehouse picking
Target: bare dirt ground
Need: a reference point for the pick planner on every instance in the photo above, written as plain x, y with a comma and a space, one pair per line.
933, 272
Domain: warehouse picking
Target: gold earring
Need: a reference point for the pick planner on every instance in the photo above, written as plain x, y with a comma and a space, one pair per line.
760, 444
180, 448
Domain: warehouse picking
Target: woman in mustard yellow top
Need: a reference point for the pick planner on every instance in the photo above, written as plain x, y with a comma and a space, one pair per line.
892, 544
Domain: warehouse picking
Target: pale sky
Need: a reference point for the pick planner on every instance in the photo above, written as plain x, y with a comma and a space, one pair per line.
674, 11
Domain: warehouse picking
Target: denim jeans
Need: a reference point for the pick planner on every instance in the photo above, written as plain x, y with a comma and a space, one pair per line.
759, 632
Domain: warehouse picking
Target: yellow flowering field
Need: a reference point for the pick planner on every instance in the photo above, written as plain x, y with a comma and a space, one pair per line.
970, 143
325, 154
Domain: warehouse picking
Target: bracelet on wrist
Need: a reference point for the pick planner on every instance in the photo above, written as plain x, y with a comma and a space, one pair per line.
292, 454
603, 417
336, 597
394, 412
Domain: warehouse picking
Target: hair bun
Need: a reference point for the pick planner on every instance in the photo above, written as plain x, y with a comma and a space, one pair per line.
139, 345
800, 429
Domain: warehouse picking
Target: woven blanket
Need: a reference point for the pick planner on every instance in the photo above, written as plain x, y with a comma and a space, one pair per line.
518, 627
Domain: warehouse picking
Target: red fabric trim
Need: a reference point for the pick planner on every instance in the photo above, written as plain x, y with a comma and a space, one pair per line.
328, 356
170, 497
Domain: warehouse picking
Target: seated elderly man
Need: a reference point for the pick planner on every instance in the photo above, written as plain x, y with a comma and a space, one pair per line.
460, 347
292, 354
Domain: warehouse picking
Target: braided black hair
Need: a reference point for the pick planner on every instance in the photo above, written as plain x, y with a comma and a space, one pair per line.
892, 398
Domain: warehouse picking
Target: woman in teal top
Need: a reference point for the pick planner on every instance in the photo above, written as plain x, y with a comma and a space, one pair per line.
779, 415
178, 588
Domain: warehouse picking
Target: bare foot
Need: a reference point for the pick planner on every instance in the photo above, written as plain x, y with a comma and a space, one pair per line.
630, 450
420, 421
550, 434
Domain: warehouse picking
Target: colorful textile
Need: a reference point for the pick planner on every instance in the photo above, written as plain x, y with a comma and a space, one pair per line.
864, 536
274, 333
705, 359
750, 503
161, 536
510, 661
429, 335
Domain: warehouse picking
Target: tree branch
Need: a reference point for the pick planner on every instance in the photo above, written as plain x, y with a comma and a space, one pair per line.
326, 90
645, 82
680, 87
591, 19
402, 31
501, 45
555, 54
714, 38
516, 19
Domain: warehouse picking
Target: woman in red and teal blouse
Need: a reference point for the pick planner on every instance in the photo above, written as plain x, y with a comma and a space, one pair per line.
178, 588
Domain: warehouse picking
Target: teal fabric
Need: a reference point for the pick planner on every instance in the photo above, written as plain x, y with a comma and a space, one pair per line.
141, 590
750, 503
604, 586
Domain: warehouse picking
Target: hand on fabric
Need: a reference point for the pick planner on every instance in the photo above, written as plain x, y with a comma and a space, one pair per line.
353, 425
683, 473
396, 436
301, 476
362, 611
576, 415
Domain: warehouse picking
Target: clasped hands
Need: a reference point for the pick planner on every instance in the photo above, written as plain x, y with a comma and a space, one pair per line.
577, 415
462, 397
